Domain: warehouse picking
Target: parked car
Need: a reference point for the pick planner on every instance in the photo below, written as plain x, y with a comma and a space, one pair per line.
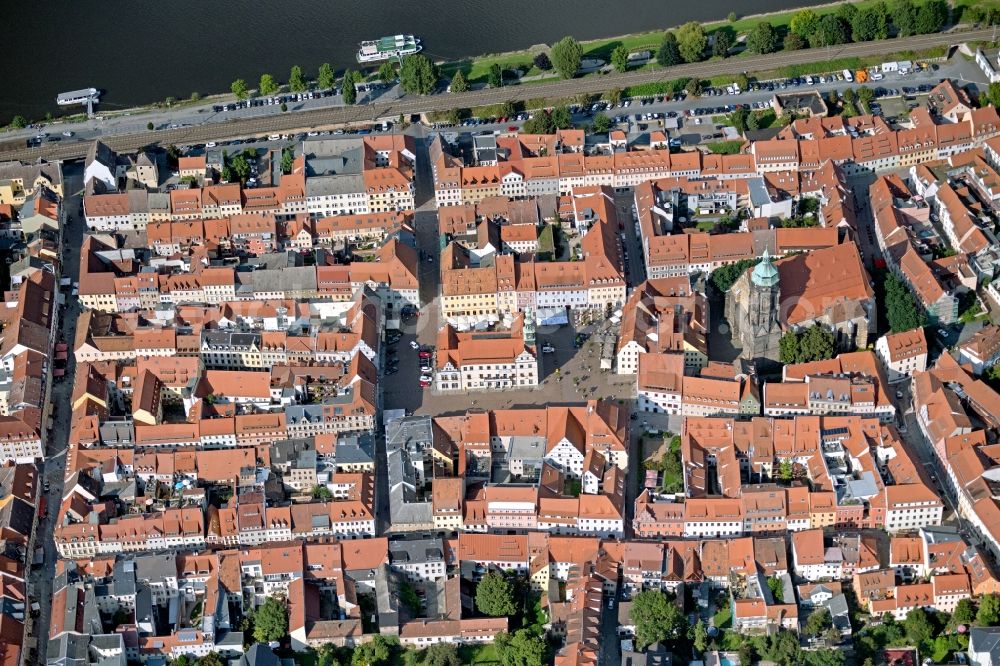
548, 349
414, 344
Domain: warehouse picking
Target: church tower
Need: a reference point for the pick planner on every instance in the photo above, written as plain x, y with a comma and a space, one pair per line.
761, 330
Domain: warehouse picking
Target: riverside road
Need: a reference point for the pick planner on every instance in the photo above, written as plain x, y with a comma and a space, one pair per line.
305, 119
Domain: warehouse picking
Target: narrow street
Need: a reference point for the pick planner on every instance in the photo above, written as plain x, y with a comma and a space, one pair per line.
53, 468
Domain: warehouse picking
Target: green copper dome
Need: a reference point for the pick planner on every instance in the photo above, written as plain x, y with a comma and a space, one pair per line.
764, 273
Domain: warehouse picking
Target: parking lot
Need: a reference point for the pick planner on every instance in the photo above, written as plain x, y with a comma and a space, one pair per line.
894, 91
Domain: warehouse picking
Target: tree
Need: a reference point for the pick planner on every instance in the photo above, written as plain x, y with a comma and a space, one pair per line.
965, 613
777, 589
691, 41
901, 307
615, 96
267, 85
823, 657
846, 11
785, 470
408, 597
149, 126
18, 122
211, 659
287, 162
373, 653
270, 622
240, 167
722, 278
601, 123
918, 627
818, 622
788, 348
326, 655
386, 72
669, 53
567, 55
173, 155
561, 118
656, 618
763, 39
783, 648
495, 76
738, 119
296, 82
170, 101
284, 107
804, 23
418, 74
700, 636
325, 78
832, 30
459, 84
348, 91
619, 58
183, 660
442, 654
195, 97
865, 97
869, 23
732, 17
794, 42
542, 62
993, 95
753, 122
540, 123
520, 649
832, 636
724, 40
904, 17
817, 344
239, 88
694, 87
495, 595
931, 17
988, 614
319, 492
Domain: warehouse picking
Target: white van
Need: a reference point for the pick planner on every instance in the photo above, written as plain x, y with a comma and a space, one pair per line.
848, 76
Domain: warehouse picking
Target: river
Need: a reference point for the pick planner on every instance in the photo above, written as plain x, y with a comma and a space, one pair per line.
144, 51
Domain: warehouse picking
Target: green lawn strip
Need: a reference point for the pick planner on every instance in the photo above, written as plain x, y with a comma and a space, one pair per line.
476, 69
725, 147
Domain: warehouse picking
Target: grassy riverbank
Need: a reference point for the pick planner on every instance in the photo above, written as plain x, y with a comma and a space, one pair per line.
476, 69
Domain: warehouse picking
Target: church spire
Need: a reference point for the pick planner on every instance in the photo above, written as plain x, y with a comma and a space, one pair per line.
765, 274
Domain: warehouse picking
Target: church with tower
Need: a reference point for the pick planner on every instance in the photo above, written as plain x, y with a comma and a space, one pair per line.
752, 307
829, 287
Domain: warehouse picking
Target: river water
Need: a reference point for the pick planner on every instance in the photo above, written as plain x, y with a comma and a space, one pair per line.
146, 50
